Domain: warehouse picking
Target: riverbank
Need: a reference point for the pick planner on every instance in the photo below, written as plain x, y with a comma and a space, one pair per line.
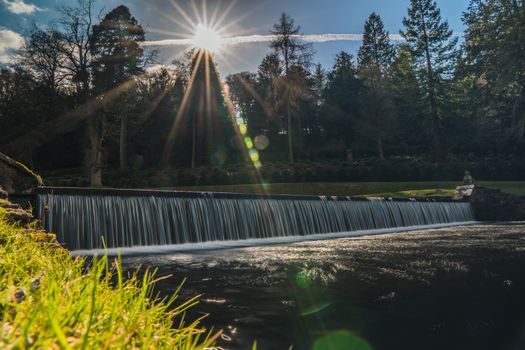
49, 300
379, 189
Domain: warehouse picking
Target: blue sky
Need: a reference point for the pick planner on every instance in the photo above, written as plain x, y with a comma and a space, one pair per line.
249, 17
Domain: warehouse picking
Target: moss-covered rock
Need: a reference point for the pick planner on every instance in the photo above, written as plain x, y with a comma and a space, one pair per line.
16, 177
14, 213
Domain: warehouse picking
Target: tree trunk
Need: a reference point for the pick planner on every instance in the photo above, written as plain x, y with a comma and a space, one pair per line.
95, 166
193, 143
123, 142
436, 130
350, 155
290, 141
380, 147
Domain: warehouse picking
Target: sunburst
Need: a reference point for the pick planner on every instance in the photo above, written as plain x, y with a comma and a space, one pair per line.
208, 38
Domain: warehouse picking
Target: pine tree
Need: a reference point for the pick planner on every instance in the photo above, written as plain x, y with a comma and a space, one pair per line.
376, 49
290, 50
430, 41
495, 47
119, 58
296, 59
409, 102
342, 101
266, 118
375, 62
319, 83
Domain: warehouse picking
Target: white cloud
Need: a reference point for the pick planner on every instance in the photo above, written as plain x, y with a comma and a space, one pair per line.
236, 40
19, 7
9, 42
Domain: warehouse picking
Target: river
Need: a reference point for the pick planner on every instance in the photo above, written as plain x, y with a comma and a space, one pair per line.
453, 288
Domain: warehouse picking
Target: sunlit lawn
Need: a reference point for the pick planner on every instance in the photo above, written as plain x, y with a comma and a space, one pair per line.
382, 189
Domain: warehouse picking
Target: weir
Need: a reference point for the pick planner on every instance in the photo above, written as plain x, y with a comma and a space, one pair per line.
87, 219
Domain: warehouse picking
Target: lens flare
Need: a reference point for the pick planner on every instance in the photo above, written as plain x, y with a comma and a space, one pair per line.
249, 143
261, 142
254, 155
243, 129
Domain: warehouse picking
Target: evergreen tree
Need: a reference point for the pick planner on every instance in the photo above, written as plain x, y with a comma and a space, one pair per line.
119, 58
290, 50
409, 103
266, 119
495, 47
376, 49
430, 41
295, 58
319, 83
342, 108
376, 55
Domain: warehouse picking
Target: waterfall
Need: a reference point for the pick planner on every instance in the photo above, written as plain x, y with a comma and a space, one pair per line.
90, 220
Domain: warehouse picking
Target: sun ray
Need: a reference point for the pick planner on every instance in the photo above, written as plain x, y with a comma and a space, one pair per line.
209, 121
256, 175
182, 109
207, 37
213, 18
204, 13
227, 26
190, 28
186, 35
227, 56
183, 13
196, 11
225, 14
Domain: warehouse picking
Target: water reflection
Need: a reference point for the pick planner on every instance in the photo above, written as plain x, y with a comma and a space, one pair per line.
425, 290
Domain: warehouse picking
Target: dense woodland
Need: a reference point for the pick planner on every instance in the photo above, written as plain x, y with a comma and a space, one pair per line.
86, 98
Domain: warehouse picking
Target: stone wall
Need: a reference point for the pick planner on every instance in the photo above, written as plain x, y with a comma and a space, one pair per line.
494, 205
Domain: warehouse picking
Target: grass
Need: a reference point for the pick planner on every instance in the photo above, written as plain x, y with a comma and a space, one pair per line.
50, 301
379, 189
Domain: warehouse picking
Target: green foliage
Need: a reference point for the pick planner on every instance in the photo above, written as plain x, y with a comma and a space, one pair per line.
417, 100
375, 59
115, 44
495, 63
342, 99
429, 39
49, 300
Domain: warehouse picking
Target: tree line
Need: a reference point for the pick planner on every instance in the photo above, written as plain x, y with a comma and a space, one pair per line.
86, 94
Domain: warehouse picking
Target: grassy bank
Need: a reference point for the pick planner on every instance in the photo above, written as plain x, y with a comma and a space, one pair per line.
49, 301
382, 189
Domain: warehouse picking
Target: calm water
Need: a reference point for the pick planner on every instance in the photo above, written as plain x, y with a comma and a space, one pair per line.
460, 288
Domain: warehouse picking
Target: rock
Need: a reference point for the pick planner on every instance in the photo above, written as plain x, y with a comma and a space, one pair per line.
464, 191
15, 214
19, 216
3, 193
16, 177
4, 203
494, 205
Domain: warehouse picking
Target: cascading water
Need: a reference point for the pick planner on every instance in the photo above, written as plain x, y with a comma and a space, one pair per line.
90, 220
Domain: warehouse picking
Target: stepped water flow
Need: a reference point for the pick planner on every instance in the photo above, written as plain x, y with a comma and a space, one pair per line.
93, 219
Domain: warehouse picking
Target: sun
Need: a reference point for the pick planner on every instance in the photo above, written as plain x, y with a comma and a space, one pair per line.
207, 39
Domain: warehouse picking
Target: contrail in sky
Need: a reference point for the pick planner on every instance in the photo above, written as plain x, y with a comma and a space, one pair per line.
248, 39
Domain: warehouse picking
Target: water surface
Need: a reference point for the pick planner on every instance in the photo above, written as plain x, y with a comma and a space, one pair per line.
454, 288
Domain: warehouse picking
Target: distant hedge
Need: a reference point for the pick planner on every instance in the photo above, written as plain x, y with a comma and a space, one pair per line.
394, 169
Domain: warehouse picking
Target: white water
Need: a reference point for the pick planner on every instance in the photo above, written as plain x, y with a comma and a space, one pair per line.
85, 222
217, 245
